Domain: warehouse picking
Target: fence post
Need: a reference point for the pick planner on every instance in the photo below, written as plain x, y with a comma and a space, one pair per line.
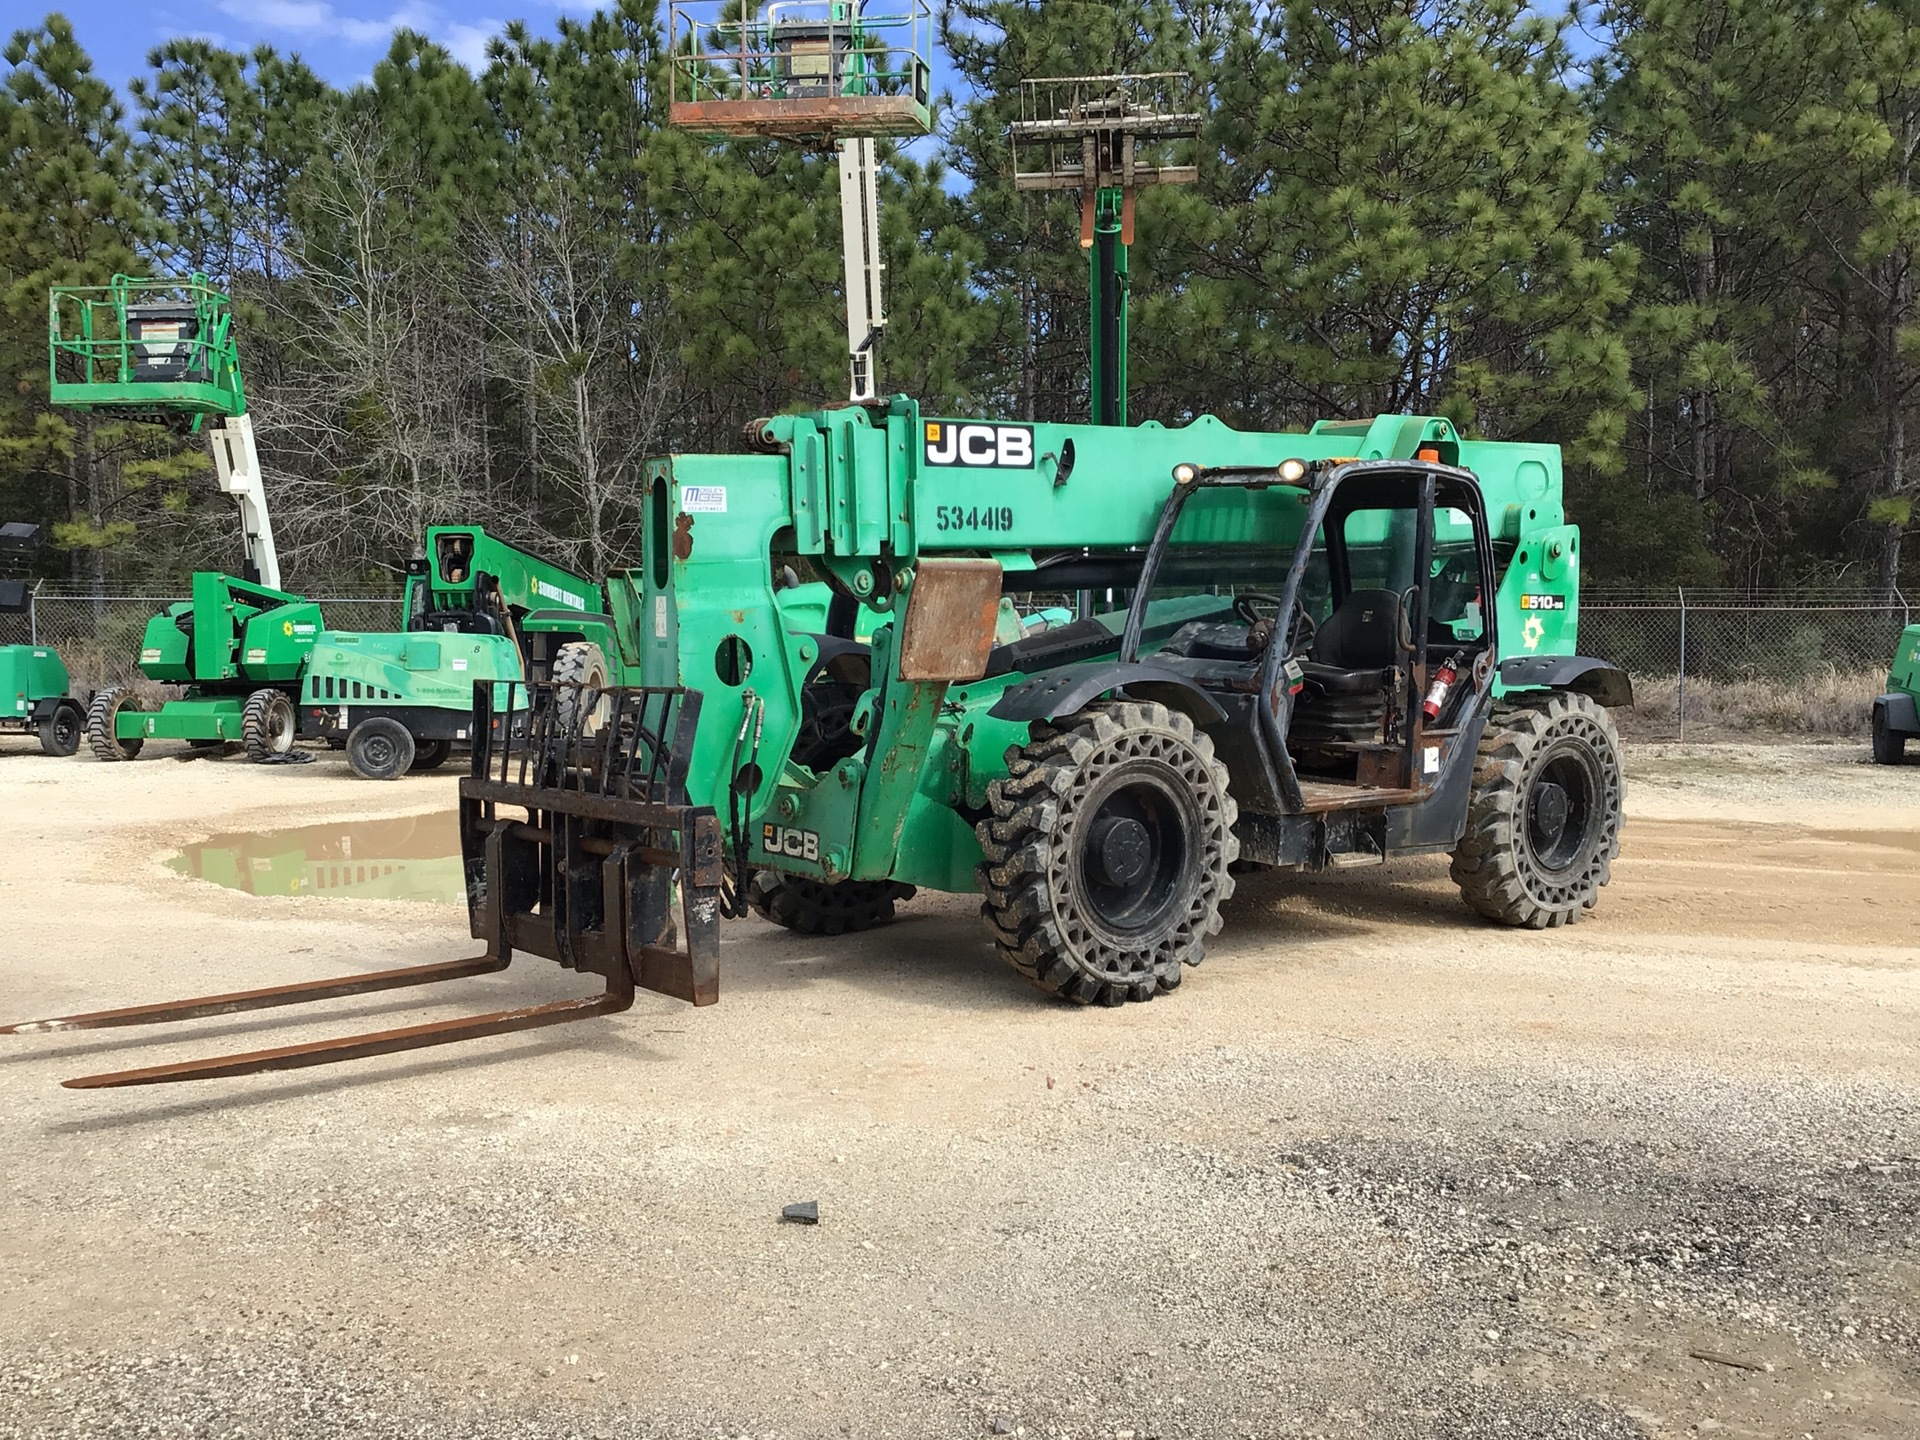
1681, 704
33, 615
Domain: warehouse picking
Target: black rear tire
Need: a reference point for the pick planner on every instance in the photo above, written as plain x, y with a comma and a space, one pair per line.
267, 725
1108, 854
821, 907
1889, 745
101, 715
429, 755
61, 732
380, 748
1543, 823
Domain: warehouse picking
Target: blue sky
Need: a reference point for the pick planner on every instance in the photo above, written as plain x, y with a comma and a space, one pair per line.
340, 38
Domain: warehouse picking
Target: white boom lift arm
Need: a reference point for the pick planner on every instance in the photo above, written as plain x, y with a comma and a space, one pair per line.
236, 466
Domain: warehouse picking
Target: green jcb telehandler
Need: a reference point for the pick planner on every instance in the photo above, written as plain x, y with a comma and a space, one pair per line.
477, 609
163, 351
1309, 651
34, 683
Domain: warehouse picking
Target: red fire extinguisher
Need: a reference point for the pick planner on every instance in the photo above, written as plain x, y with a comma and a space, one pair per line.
1443, 680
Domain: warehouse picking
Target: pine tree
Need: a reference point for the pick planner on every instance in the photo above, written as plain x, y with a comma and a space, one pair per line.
72, 211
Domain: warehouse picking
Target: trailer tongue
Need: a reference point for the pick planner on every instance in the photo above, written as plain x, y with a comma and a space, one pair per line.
579, 846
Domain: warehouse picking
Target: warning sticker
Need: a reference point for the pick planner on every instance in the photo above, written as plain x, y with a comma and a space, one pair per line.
703, 499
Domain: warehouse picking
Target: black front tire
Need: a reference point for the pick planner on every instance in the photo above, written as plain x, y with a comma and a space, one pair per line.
1543, 823
101, 717
380, 748
1889, 745
267, 725
820, 907
429, 755
1109, 853
61, 732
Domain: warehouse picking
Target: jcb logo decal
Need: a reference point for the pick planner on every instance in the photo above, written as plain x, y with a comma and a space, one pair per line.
983, 447
800, 844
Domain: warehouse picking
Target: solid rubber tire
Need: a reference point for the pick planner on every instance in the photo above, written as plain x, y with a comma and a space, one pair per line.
824, 907
580, 662
1889, 746
380, 748
1032, 904
62, 731
267, 725
1492, 863
107, 704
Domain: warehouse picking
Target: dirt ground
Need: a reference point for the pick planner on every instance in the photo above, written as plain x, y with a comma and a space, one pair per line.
1377, 1169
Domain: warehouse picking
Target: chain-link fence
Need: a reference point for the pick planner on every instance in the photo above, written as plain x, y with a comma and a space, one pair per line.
99, 635
1791, 661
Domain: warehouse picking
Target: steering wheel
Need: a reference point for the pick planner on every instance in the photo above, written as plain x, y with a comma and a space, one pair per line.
1243, 605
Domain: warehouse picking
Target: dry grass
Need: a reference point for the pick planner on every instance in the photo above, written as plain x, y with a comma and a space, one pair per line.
1827, 702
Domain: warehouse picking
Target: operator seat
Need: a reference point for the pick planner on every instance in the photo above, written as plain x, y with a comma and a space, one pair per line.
1352, 668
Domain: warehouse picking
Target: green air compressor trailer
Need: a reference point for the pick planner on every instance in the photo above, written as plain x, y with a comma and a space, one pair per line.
477, 608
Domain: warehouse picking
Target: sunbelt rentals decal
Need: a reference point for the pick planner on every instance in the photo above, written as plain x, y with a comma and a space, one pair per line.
547, 590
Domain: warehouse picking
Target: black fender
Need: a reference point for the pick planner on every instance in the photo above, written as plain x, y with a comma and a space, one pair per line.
1053, 693
1608, 684
48, 706
1896, 713
831, 648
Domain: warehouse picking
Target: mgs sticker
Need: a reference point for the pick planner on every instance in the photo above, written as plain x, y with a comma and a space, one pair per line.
703, 499
1543, 602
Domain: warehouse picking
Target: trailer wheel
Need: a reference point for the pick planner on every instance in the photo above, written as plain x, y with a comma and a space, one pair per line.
819, 907
380, 748
101, 715
1108, 853
580, 663
1543, 824
1889, 745
60, 732
429, 755
267, 725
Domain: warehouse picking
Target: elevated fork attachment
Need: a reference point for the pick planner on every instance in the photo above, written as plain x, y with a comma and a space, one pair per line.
605, 869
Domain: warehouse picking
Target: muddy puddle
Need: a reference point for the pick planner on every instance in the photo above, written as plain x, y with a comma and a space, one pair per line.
413, 858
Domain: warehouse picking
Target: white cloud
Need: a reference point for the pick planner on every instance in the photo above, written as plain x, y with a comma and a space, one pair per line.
318, 18
466, 41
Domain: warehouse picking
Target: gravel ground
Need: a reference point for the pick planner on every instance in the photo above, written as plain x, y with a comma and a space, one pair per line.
1376, 1169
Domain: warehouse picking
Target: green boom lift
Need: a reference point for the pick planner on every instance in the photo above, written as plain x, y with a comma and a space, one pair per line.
1319, 649
163, 351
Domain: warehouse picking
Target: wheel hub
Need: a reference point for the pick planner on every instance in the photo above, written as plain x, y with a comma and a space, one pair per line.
1550, 806
1121, 850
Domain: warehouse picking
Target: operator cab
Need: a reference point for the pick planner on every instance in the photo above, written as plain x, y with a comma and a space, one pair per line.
1340, 620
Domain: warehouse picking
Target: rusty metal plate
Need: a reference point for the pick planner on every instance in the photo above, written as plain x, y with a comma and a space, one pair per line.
874, 116
948, 630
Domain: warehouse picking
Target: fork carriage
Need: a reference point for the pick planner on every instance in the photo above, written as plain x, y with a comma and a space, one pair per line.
578, 845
